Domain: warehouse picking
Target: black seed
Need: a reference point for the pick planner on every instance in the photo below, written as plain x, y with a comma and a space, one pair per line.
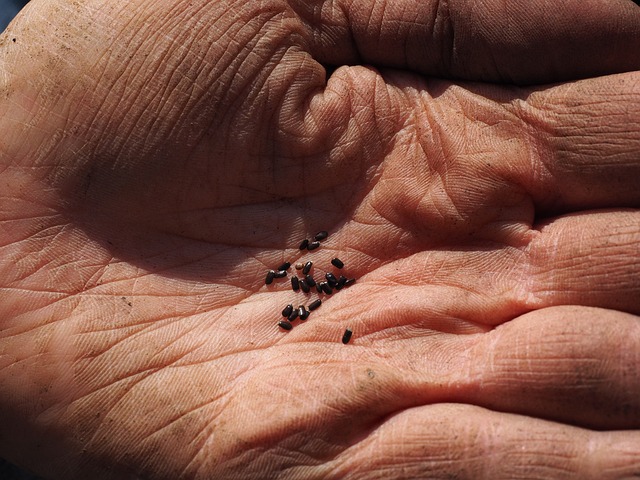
293, 315
299, 266
349, 282
315, 304
304, 286
280, 274
341, 281
319, 287
305, 315
336, 262
307, 267
326, 288
313, 246
321, 235
285, 325
304, 244
331, 279
270, 276
347, 336
285, 266
295, 284
302, 312
287, 310
310, 281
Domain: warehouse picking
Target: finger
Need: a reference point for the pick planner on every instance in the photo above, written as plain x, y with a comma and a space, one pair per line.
590, 259
522, 42
584, 139
575, 365
467, 442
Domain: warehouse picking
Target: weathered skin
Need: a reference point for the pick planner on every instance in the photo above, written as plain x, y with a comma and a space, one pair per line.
158, 157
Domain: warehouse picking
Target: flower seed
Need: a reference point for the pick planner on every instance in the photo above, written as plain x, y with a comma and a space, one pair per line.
315, 304
270, 276
336, 262
287, 310
346, 336
285, 325
321, 235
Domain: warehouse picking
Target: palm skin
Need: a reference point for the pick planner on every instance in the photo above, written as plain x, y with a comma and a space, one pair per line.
176, 151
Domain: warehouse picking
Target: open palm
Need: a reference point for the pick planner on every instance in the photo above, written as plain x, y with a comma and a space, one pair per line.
158, 158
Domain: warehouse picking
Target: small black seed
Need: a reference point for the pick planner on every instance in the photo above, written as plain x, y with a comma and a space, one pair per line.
285, 266
307, 267
313, 246
304, 286
285, 325
341, 281
295, 284
287, 310
321, 235
306, 315
331, 279
301, 312
319, 287
270, 276
293, 315
349, 282
304, 244
346, 336
310, 281
315, 304
299, 266
280, 274
326, 288
336, 262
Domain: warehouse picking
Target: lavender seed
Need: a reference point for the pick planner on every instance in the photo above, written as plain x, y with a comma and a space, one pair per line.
285, 325
293, 315
310, 281
307, 267
321, 235
313, 246
295, 284
285, 266
304, 244
304, 286
287, 310
346, 336
270, 276
336, 262
331, 279
315, 304
280, 274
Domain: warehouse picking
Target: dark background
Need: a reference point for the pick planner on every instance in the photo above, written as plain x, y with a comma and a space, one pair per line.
8, 9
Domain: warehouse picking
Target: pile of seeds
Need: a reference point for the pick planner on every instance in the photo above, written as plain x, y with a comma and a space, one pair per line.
306, 282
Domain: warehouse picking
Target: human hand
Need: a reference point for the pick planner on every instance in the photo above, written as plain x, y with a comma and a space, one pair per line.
158, 158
